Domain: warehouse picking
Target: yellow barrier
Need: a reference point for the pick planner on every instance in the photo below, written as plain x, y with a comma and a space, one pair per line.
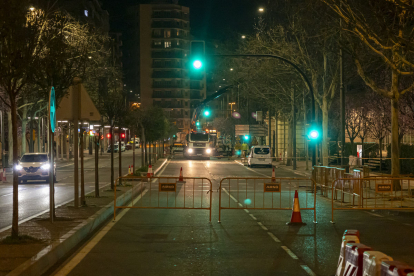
185, 193
258, 193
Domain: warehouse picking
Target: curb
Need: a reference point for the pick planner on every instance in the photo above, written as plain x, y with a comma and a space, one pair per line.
49, 256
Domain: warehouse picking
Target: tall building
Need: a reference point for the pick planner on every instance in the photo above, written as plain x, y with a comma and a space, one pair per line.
156, 50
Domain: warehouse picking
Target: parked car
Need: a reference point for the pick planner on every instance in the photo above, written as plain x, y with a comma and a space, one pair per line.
34, 166
259, 156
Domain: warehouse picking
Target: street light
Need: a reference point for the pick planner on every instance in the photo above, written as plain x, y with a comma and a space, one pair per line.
261, 9
231, 105
231, 69
31, 8
197, 64
243, 36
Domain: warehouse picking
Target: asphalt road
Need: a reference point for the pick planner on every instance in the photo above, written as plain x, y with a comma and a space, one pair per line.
34, 196
248, 241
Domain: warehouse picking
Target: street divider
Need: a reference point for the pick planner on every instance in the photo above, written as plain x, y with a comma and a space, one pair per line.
266, 193
373, 193
357, 259
189, 193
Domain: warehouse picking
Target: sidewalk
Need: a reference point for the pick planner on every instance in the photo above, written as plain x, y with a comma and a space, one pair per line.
52, 241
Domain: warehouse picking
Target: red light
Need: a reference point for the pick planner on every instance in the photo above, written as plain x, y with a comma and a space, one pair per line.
108, 135
122, 135
101, 137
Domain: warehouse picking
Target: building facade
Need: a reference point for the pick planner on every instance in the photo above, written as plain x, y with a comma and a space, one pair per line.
157, 49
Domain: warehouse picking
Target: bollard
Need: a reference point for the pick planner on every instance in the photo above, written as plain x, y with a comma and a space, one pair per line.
354, 258
372, 262
395, 268
342, 255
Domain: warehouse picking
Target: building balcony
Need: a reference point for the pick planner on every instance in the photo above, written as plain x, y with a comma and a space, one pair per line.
170, 105
196, 85
174, 65
178, 116
170, 24
167, 54
171, 15
172, 85
196, 96
167, 95
168, 75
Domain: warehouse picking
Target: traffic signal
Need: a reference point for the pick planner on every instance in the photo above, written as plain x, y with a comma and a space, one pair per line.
314, 133
197, 123
122, 135
102, 137
246, 137
197, 52
206, 113
108, 136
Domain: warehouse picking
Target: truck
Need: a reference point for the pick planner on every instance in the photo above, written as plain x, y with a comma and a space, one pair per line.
198, 145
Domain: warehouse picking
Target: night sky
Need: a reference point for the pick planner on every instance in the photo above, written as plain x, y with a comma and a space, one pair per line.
209, 19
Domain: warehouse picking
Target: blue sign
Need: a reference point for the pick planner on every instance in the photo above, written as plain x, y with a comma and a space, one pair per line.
52, 109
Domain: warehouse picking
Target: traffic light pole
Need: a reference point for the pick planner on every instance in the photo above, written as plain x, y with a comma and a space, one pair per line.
308, 83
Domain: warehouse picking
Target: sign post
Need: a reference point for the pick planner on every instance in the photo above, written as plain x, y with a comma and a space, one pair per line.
52, 128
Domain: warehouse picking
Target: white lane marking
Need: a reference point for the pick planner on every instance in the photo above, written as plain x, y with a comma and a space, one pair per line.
290, 252
263, 227
253, 217
41, 213
407, 224
273, 237
95, 240
240, 204
308, 270
373, 214
247, 211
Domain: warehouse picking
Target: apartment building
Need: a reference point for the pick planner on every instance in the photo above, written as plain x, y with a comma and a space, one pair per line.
156, 57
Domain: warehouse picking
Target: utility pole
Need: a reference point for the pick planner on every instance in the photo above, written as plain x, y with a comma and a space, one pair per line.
293, 129
342, 95
97, 139
82, 145
3, 161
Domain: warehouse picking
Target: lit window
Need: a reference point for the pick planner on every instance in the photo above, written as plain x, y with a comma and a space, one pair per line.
86, 13
157, 43
178, 43
167, 44
167, 33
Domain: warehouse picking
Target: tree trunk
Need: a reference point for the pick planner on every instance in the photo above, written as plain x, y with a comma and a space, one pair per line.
149, 152
325, 139
120, 153
10, 139
143, 163
97, 139
290, 144
111, 129
15, 220
395, 154
362, 157
82, 149
380, 149
133, 152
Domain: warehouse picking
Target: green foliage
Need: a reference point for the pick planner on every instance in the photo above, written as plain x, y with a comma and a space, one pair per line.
142, 169
154, 123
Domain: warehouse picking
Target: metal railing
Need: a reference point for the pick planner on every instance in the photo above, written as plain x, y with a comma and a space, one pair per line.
168, 193
372, 193
266, 193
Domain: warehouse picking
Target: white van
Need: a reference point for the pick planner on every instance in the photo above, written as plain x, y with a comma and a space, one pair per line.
260, 156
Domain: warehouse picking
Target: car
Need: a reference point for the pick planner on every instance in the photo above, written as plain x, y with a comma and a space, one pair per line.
34, 166
259, 156
116, 146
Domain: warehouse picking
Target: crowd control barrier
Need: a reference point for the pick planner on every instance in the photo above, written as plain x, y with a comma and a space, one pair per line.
342, 256
372, 262
354, 258
187, 193
373, 193
266, 193
396, 268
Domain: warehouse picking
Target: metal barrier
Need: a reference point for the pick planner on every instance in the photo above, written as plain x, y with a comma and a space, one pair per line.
169, 193
258, 193
372, 193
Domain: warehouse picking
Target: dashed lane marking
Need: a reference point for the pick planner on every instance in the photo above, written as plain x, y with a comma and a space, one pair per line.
253, 217
308, 270
247, 211
273, 237
263, 227
291, 254
373, 214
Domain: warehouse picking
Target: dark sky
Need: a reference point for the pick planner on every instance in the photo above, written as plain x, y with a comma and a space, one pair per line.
209, 19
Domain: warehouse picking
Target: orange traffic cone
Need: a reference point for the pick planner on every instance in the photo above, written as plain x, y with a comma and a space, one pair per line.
296, 218
150, 173
273, 175
181, 178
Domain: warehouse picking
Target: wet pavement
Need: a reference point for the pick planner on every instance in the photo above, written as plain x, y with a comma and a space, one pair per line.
246, 242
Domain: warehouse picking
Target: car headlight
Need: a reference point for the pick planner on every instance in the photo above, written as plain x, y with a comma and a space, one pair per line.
19, 167
190, 150
45, 167
208, 150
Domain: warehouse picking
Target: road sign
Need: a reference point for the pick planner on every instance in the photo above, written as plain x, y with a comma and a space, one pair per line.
272, 187
383, 188
52, 109
167, 187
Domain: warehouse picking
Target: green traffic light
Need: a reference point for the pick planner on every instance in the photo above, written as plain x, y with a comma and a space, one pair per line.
206, 113
314, 134
197, 123
197, 64
246, 137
